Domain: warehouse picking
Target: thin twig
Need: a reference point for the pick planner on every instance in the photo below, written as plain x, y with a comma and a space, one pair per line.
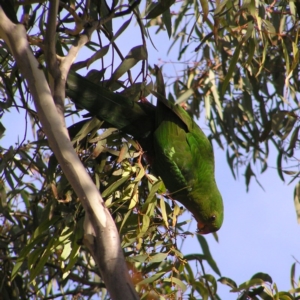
206, 282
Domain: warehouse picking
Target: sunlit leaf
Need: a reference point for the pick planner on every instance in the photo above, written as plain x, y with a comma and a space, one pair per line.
135, 55
184, 96
297, 201
201, 289
113, 187
178, 282
158, 257
265, 277
152, 278
99, 54
228, 281
205, 9
232, 67
248, 284
164, 212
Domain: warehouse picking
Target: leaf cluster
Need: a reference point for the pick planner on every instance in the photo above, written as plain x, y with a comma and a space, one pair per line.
245, 75
240, 66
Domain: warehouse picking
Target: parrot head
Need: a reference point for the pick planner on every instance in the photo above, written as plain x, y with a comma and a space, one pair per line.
209, 225
207, 210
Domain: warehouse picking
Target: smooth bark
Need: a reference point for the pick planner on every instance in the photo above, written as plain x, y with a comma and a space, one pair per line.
101, 235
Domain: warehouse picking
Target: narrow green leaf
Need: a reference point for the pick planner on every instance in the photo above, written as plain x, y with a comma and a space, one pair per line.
8, 178
136, 91
24, 255
213, 282
125, 218
190, 276
2, 129
67, 249
265, 277
138, 258
286, 56
159, 257
215, 92
177, 253
297, 201
219, 7
16, 269
294, 291
44, 226
152, 278
159, 8
153, 191
201, 289
293, 10
271, 31
3, 203
252, 48
248, 284
205, 9
97, 55
20, 166
64, 236
166, 16
292, 276
232, 67
42, 261
107, 192
163, 211
250, 27
185, 96
103, 135
89, 126
141, 173
178, 282
145, 224
34, 256
132, 58
284, 296
206, 252
228, 281
279, 166
248, 174
230, 160
123, 152
73, 257
121, 30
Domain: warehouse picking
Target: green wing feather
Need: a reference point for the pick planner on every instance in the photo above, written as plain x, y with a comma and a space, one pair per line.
184, 159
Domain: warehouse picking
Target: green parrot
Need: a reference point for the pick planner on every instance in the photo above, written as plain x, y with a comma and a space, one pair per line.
183, 156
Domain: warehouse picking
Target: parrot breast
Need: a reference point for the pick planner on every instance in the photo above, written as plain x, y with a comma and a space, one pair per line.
184, 160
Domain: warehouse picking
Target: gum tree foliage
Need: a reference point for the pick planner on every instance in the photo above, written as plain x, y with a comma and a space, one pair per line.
239, 67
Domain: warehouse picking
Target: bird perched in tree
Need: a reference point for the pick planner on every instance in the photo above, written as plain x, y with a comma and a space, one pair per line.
183, 155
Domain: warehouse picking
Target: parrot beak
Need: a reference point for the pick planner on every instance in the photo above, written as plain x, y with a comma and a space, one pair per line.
202, 228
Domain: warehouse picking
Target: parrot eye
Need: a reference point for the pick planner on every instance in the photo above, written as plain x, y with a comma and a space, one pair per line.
212, 218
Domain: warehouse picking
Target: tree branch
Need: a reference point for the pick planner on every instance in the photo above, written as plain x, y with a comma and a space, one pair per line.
50, 39
57, 83
101, 234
